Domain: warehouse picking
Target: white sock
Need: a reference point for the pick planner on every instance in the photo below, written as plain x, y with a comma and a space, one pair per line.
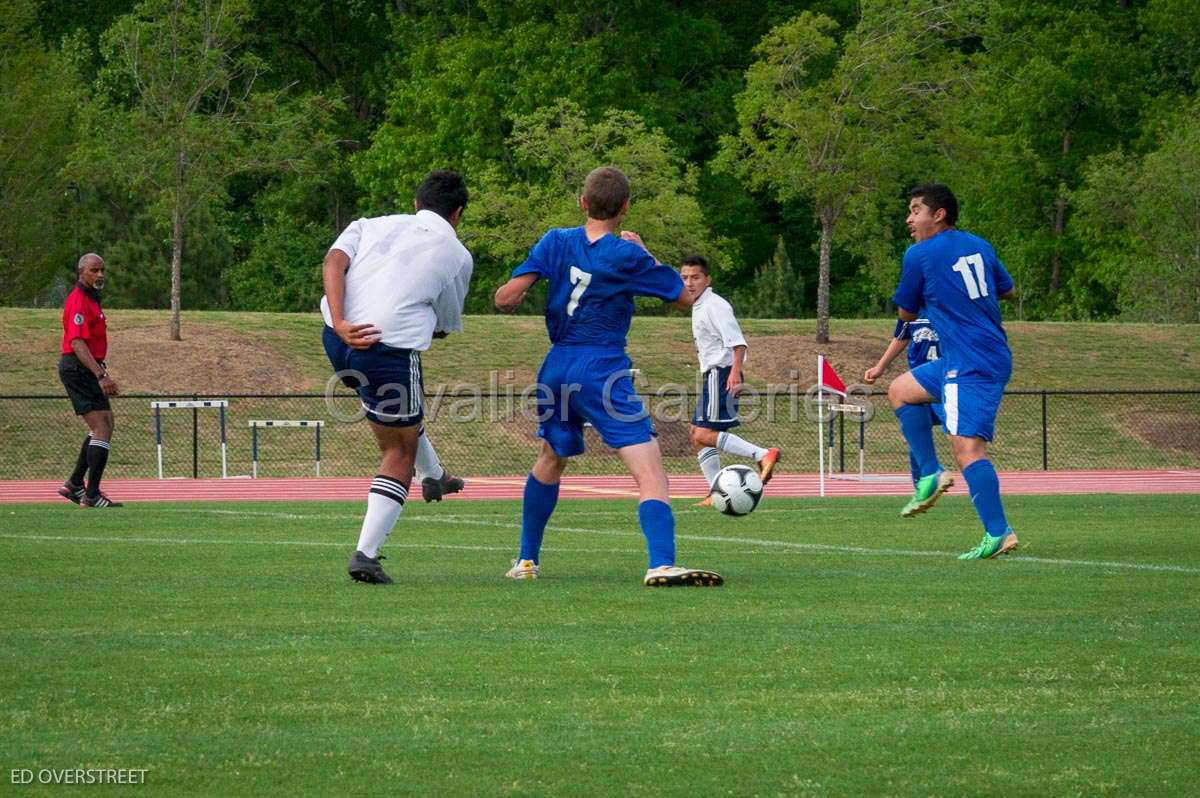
427, 463
384, 503
728, 442
710, 463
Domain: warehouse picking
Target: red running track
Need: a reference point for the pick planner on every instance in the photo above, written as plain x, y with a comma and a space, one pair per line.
592, 487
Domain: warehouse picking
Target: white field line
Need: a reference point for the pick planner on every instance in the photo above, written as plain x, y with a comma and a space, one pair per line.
318, 543
475, 521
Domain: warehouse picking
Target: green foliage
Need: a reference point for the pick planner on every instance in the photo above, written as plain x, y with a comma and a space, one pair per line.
801, 120
777, 290
38, 93
552, 151
1140, 219
176, 114
832, 118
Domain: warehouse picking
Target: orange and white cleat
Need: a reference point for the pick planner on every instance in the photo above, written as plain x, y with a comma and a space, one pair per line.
766, 466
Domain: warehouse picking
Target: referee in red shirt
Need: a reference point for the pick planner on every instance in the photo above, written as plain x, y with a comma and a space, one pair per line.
85, 376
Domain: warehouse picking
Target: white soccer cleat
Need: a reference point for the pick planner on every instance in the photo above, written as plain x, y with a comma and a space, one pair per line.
678, 576
523, 569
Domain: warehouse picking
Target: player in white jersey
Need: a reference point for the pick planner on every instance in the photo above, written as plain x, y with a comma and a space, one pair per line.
722, 351
392, 284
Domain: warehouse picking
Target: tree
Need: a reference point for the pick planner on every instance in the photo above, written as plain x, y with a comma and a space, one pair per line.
1056, 86
1140, 219
176, 113
551, 152
832, 122
38, 93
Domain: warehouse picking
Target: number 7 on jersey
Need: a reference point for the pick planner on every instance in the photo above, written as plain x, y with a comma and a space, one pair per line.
580, 279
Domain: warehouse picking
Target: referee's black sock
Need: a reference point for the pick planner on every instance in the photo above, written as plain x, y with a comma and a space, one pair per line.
97, 458
81, 464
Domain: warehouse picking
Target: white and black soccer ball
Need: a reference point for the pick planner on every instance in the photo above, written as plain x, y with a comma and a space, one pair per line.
736, 490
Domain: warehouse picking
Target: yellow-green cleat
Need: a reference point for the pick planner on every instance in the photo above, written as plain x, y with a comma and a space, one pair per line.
928, 490
991, 547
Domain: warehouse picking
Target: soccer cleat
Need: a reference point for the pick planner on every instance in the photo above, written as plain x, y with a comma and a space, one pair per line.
367, 569
767, 465
71, 492
678, 576
432, 490
705, 502
991, 547
928, 490
99, 500
523, 569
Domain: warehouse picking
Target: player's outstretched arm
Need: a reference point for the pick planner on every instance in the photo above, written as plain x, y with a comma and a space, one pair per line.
875, 372
510, 295
1010, 293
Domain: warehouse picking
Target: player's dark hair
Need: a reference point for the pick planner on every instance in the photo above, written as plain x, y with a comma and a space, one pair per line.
937, 195
695, 260
606, 191
443, 191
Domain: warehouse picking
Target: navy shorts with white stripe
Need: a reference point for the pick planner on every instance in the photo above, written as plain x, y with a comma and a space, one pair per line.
717, 408
388, 380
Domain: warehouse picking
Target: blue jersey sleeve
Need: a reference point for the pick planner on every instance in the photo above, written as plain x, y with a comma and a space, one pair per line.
540, 258
910, 293
648, 278
902, 331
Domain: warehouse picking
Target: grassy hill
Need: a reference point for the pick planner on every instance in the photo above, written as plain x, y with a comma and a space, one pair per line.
268, 353
281, 352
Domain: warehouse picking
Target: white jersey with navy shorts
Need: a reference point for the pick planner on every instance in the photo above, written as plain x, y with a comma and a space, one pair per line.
958, 280
716, 332
408, 276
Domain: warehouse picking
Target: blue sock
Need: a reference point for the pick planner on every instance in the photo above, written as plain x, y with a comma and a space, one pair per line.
658, 525
984, 486
535, 512
916, 423
913, 467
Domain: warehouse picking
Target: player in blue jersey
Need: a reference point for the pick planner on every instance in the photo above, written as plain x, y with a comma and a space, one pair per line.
593, 275
958, 280
920, 341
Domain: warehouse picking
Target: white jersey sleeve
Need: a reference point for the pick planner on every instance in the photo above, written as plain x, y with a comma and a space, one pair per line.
449, 304
350, 238
725, 323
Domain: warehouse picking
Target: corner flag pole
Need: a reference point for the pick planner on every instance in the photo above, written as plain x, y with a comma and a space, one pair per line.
821, 422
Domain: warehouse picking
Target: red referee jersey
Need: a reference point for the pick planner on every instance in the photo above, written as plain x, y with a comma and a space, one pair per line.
83, 318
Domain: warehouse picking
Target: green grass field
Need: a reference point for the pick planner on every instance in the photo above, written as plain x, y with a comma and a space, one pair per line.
223, 648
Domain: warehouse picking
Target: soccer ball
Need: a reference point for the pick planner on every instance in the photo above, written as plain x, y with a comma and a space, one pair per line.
736, 490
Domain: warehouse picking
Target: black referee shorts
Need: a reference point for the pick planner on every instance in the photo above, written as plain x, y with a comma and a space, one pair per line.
82, 386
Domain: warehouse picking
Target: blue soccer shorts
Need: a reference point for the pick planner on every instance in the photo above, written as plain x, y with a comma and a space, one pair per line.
578, 384
388, 380
969, 408
716, 408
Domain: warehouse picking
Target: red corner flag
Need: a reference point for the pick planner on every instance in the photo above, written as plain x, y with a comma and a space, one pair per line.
827, 378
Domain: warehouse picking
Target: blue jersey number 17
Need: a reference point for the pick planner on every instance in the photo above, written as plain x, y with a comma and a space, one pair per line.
976, 284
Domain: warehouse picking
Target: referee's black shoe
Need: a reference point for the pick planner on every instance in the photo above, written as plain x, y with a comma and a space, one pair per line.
432, 490
71, 492
367, 569
99, 500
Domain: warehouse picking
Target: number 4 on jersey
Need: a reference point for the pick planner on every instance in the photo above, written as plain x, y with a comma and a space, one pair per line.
976, 284
580, 279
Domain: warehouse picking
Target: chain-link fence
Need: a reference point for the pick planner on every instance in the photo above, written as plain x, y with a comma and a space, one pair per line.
479, 434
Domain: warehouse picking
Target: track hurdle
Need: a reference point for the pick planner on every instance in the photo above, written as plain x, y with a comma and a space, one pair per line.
194, 406
861, 412
254, 427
